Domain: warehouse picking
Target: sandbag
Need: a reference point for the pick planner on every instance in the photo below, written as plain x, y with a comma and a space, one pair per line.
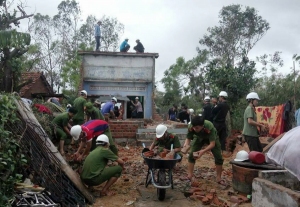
286, 152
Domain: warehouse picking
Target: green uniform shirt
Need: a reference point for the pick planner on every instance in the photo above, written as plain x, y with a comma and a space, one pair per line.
248, 129
79, 104
61, 120
96, 161
167, 142
207, 134
94, 113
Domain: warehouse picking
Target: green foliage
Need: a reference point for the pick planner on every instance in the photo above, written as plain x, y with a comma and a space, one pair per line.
14, 39
13, 44
11, 158
278, 89
238, 31
71, 72
111, 30
236, 81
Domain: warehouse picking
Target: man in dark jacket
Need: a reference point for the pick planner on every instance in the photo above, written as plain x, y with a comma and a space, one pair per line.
184, 116
219, 113
207, 108
139, 48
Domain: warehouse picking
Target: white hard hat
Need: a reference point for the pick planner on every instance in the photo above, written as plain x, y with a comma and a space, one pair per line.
75, 132
252, 95
242, 156
223, 93
160, 130
191, 111
114, 99
83, 92
207, 98
137, 98
69, 105
102, 138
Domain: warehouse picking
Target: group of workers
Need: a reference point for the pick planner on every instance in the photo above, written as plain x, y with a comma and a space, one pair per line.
85, 123
124, 47
84, 120
206, 132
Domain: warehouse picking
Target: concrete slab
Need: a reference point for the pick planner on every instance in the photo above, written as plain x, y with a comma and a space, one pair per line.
276, 188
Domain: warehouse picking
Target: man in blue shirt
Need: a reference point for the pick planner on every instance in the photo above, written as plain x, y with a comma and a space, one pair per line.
108, 108
124, 47
97, 35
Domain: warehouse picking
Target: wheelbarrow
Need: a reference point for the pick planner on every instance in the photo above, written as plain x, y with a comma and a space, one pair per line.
160, 173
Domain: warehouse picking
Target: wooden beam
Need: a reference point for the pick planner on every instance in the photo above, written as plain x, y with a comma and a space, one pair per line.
266, 148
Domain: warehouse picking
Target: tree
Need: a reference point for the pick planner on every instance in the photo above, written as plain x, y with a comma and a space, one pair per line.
87, 33
13, 44
237, 34
111, 30
48, 47
237, 81
189, 75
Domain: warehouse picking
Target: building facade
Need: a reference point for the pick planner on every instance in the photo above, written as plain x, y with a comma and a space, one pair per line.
123, 75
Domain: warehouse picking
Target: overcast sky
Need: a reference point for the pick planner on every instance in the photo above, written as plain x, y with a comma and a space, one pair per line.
173, 28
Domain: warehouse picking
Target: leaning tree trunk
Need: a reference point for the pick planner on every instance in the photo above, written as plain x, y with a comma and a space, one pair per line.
7, 72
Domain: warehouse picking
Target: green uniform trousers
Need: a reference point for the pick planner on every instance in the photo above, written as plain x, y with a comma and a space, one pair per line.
107, 173
216, 151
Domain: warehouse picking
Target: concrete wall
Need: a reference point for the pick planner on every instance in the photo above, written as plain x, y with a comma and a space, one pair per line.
265, 192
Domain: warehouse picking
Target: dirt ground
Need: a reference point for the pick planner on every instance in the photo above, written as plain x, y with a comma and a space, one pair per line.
130, 188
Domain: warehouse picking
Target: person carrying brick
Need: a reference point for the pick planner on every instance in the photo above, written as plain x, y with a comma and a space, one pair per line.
79, 104
164, 140
202, 132
95, 170
92, 112
87, 134
62, 128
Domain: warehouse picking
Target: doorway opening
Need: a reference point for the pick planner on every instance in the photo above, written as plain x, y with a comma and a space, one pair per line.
132, 109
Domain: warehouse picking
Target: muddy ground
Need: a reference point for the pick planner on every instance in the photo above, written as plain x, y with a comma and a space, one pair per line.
130, 188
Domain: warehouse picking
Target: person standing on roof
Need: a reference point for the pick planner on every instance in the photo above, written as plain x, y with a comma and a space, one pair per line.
124, 47
98, 35
87, 134
138, 108
108, 108
164, 140
95, 170
207, 108
139, 48
219, 113
62, 128
79, 104
92, 112
250, 131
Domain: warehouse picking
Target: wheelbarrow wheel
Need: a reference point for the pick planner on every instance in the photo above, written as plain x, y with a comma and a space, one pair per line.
161, 177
